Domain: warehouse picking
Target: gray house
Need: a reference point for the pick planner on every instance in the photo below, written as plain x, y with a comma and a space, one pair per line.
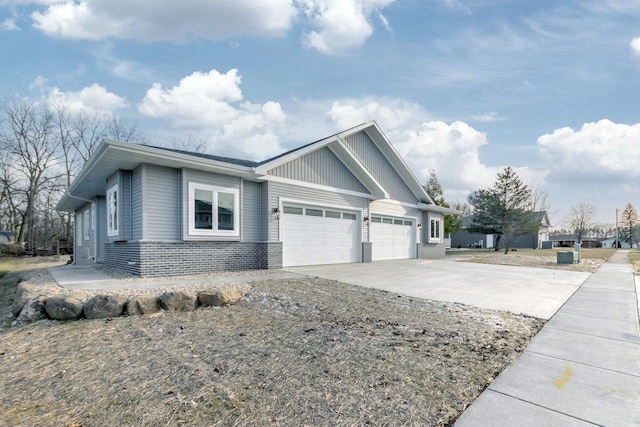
467, 239
346, 198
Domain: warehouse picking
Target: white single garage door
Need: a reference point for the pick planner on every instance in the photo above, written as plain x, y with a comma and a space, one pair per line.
318, 235
392, 238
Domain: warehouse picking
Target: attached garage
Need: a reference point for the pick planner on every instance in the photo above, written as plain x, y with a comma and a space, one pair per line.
392, 238
319, 235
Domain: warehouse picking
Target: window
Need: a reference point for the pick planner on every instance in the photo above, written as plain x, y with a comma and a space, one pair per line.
349, 216
213, 211
93, 216
332, 214
292, 210
112, 211
376, 219
314, 212
85, 221
435, 229
408, 223
397, 221
387, 221
79, 229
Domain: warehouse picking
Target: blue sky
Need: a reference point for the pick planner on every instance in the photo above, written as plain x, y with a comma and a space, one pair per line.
551, 88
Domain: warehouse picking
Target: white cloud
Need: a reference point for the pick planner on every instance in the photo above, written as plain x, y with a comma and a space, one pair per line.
342, 25
175, 21
389, 113
9, 24
635, 51
600, 151
209, 104
94, 97
487, 117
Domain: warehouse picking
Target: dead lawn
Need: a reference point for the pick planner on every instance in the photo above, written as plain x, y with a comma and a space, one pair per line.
592, 259
296, 352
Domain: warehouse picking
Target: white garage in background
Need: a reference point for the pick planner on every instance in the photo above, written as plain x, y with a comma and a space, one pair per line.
392, 238
319, 235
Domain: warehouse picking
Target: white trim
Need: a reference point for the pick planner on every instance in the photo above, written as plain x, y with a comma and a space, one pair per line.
319, 187
214, 232
340, 150
78, 230
114, 188
438, 209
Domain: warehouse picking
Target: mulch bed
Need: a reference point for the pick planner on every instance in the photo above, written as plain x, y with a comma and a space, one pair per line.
294, 352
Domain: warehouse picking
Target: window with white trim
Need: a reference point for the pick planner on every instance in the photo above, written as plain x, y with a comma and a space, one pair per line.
85, 221
435, 229
112, 211
79, 229
93, 216
213, 211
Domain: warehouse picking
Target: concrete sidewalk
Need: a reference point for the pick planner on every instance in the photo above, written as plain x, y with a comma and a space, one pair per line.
582, 369
86, 277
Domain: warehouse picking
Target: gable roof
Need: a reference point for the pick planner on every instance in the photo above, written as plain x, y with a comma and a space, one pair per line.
110, 156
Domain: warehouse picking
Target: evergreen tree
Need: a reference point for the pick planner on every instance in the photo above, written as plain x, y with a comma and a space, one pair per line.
629, 225
504, 209
452, 223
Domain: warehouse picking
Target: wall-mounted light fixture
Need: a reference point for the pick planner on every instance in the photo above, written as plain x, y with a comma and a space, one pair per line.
366, 220
276, 213
419, 226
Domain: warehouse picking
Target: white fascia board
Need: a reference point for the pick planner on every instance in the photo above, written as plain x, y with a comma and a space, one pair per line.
439, 209
395, 159
327, 188
356, 168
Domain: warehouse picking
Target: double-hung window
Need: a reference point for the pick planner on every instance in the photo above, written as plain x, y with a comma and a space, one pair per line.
435, 229
213, 211
112, 211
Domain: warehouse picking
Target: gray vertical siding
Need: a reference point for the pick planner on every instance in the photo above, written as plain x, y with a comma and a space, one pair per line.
311, 195
136, 203
251, 212
376, 163
162, 203
265, 212
208, 178
320, 167
125, 205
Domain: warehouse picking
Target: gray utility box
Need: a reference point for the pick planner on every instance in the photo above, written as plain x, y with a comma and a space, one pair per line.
567, 257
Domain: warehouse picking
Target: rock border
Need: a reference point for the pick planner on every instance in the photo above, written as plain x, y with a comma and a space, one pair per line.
31, 303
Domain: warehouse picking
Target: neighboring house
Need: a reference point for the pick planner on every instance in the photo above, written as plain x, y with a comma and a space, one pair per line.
569, 241
346, 198
466, 239
7, 237
610, 243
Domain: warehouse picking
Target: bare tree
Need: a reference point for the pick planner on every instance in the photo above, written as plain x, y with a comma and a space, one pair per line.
25, 137
581, 219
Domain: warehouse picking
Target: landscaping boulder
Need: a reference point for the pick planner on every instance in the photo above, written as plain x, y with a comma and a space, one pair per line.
64, 308
220, 297
143, 305
179, 300
24, 292
104, 306
33, 310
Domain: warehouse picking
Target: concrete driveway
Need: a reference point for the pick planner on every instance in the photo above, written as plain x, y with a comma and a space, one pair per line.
536, 292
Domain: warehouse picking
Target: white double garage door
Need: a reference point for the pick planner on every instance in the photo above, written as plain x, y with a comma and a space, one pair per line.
323, 235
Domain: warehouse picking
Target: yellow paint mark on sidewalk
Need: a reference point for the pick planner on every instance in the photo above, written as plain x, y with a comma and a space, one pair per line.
564, 379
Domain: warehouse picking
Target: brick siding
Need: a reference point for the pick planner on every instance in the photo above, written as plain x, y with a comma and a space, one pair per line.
156, 259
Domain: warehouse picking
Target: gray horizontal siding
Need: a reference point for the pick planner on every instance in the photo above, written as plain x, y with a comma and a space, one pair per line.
394, 209
365, 150
320, 167
251, 211
279, 190
162, 203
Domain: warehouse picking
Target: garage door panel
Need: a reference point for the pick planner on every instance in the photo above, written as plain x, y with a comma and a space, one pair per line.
392, 239
308, 239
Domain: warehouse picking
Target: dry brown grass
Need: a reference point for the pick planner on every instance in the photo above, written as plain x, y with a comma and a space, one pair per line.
296, 352
592, 258
634, 257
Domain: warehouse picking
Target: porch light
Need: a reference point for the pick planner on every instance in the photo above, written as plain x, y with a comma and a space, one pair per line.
419, 226
366, 220
276, 213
